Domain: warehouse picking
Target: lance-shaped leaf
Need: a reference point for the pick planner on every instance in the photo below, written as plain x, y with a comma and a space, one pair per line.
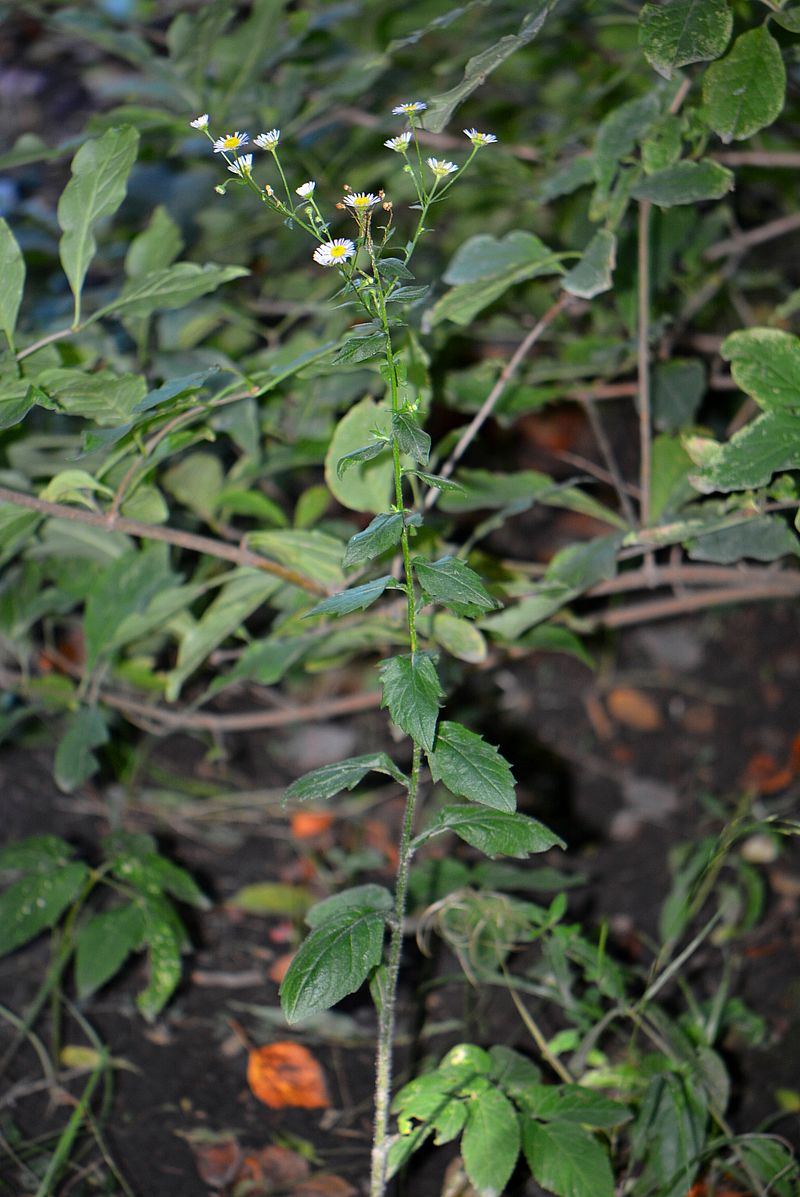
412, 693
104, 943
595, 271
360, 349
438, 482
411, 439
165, 936
333, 961
357, 456
471, 768
37, 901
567, 1160
100, 172
358, 598
493, 832
745, 91
163, 290
491, 1141
38, 853
380, 534
450, 582
343, 775
674, 33
75, 758
12, 273
765, 362
685, 183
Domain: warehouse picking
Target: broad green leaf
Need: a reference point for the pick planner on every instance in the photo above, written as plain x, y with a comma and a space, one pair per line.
163, 290
360, 349
37, 901
484, 267
412, 692
146, 616
381, 534
196, 481
668, 1135
37, 853
619, 134
106, 398
459, 637
491, 1141
155, 247
677, 32
152, 875
104, 943
165, 936
493, 832
765, 363
471, 768
70, 486
312, 553
442, 107
670, 488
333, 961
520, 490
75, 759
100, 172
595, 271
662, 145
770, 1158
550, 638
168, 392
12, 281
450, 582
566, 1160
126, 587
685, 183
762, 538
272, 897
16, 401
573, 1104
512, 1072
744, 92
364, 897
343, 775
678, 389
410, 438
358, 598
265, 661
749, 459
368, 485
565, 179
788, 19
580, 566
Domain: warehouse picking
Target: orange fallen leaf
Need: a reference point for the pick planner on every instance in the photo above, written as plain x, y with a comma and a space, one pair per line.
274, 1167
634, 709
763, 773
218, 1161
376, 836
308, 824
324, 1184
286, 1074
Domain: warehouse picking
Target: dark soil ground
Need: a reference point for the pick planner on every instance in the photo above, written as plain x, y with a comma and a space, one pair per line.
622, 762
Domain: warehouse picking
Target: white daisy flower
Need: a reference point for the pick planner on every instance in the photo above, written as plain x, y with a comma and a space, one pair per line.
268, 141
479, 139
200, 122
306, 189
231, 141
441, 167
361, 201
242, 166
400, 143
331, 253
409, 108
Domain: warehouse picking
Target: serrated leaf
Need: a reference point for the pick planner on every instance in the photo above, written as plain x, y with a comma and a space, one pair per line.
381, 534
436, 481
595, 271
36, 902
359, 456
333, 961
100, 172
493, 832
412, 694
363, 897
491, 1141
75, 759
573, 1104
450, 582
567, 1160
165, 935
749, 459
12, 273
765, 363
471, 768
669, 1131
104, 943
685, 183
678, 32
360, 349
357, 598
744, 92
330, 780
410, 438
153, 875
37, 853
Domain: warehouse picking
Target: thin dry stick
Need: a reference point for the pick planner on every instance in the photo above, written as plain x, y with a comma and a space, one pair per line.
643, 361
744, 241
493, 398
668, 608
182, 540
788, 159
611, 462
687, 574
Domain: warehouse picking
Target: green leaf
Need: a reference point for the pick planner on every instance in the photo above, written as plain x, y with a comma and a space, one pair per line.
484, 267
411, 439
670, 489
567, 178
550, 638
343, 775
668, 1135
152, 875
493, 832
272, 897
491, 1141
765, 363
37, 853
412, 693
381, 534
357, 598
156, 247
685, 183
363, 897
619, 134
762, 538
312, 553
196, 481
12, 273
100, 172
445, 485
753, 454
566, 1160
788, 19
459, 637
165, 935
450, 582
471, 768
333, 961
360, 349
104, 943
124, 588
37, 901
595, 271
442, 107
70, 486
678, 389
75, 761
678, 32
368, 485
106, 398
573, 1104
17, 401
745, 91
164, 290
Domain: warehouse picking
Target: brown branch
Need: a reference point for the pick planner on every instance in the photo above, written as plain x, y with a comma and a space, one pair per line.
687, 574
668, 608
643, 361
788, 159
183, 540
744, 241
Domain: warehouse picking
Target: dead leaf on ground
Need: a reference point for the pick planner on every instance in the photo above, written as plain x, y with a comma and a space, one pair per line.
287, 1074
308, 824
634, 709
324, 1184
217, 1159
274, 1167
764, 774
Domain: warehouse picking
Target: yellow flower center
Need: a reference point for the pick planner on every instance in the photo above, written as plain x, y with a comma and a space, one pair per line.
338, 251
